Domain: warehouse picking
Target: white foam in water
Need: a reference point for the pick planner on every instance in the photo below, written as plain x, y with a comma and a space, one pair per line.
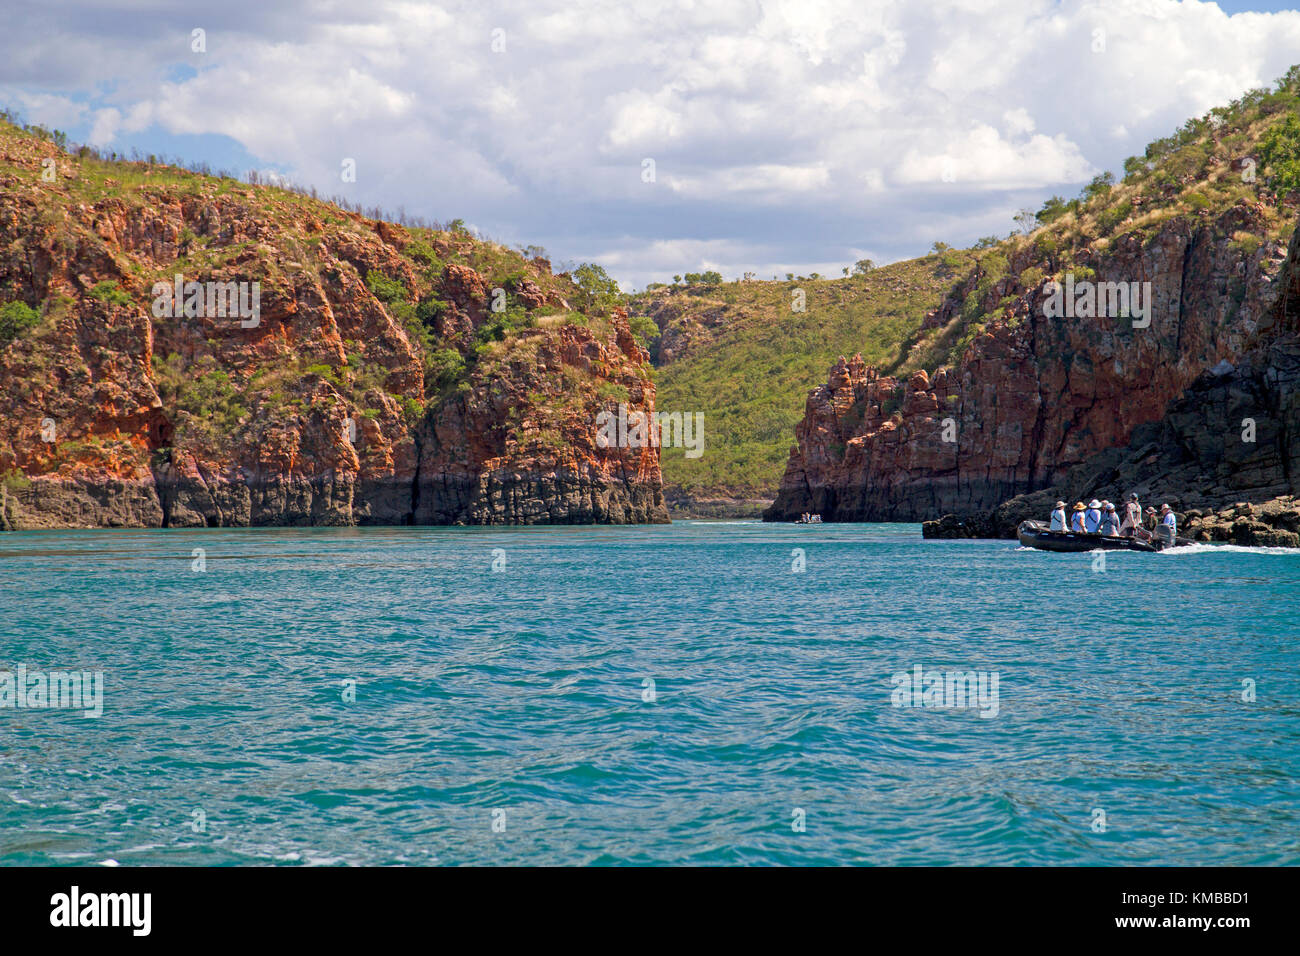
1199, 547
1202, 547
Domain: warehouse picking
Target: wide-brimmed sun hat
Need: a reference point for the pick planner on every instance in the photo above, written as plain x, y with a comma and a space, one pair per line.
1078, 506
1094, 503
1164, 507
1109, 506
1060, 504
1150, 510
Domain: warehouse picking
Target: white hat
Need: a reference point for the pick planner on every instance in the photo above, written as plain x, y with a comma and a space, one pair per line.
1060, 504
1164, 507
1094, 503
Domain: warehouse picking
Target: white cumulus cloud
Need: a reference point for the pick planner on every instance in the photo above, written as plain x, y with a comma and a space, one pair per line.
786, 135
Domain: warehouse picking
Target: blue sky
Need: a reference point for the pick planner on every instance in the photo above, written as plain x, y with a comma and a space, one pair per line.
1256, 6
783, 135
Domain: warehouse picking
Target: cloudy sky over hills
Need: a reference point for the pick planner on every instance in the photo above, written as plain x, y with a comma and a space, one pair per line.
785, 136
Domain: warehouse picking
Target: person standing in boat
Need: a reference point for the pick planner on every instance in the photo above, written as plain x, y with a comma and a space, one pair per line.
1092, 517
1059, 521
1168, 525
1132, 516
1109, 525
1076, 519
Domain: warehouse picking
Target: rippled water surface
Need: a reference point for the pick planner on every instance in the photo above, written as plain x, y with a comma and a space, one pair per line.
519, 697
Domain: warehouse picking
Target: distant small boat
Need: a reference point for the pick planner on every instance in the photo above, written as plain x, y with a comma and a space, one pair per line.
808, 519
1036, 534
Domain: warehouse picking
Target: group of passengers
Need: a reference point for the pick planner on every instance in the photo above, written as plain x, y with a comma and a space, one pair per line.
1102, 517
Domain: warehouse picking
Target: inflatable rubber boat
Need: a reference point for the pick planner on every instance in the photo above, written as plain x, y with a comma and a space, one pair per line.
1036, 534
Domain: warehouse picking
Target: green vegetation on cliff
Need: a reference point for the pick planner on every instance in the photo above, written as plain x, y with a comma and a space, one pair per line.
1245, 155
16, 318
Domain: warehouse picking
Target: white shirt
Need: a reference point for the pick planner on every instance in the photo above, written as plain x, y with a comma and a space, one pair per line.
1058, 520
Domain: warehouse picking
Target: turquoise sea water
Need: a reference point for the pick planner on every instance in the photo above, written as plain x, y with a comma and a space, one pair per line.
519, 696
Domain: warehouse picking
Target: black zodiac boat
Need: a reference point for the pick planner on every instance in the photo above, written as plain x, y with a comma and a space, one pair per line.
1036, 534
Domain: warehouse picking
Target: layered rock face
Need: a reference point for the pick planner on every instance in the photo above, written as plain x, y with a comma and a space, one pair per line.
328, 410
1225, 458
1233, 437
1033, 396
469, 470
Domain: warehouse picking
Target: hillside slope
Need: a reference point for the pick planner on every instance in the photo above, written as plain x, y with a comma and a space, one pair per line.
742, 354
377, 384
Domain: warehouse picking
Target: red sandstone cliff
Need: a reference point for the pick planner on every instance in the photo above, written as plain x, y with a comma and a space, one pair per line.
198, 420
1032, 397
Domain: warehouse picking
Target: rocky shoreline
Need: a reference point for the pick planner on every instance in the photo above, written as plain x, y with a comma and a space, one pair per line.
688, 507
1272, 524
505, 498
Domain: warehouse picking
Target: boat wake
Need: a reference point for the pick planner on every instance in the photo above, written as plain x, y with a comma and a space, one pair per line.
1022, 547
1202, 547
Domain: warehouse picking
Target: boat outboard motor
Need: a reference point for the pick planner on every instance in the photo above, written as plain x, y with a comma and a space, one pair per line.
1166, 535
